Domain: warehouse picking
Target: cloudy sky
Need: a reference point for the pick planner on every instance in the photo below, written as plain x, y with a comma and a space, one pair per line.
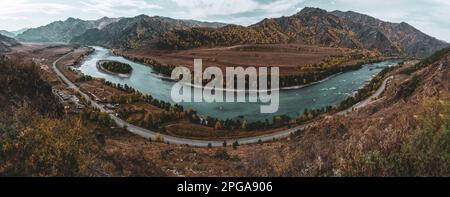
430, 16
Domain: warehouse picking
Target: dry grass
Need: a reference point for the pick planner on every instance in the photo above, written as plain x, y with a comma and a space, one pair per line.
289, 57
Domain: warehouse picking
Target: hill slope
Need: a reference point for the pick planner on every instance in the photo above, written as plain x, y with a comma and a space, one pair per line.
62, 31
7, 33
378, 34
6, 43
134, 32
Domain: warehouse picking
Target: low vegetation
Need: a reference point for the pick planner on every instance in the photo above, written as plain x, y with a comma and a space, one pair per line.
423, 153
32, 145
427, 61
21, 79
84, 78
408, 89
328, 67
34, 138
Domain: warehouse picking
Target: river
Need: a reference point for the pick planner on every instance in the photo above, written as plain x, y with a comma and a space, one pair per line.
292, 102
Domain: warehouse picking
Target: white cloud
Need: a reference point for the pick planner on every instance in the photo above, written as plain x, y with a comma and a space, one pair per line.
13, 18
429, 16
118, 8
281, 5
14, 8
204, 9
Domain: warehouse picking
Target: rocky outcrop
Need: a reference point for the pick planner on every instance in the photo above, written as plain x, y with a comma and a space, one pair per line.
390, 37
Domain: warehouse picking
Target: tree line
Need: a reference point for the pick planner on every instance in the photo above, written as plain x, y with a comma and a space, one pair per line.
158, 67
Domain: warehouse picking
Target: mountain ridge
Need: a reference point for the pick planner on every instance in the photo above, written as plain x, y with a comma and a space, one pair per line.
12, 34
315, 26
401, 36
7, 33
136, 31
310, 26
62, 31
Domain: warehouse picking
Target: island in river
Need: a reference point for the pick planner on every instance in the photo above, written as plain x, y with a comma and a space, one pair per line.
115, 68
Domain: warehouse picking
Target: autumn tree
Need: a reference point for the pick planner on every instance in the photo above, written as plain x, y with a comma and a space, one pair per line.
218, 125
34, 146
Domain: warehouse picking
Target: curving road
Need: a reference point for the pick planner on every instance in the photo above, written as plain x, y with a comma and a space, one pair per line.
368, 100
146, 133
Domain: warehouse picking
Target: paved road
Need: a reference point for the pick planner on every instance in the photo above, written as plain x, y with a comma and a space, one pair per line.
146, 133
370, 99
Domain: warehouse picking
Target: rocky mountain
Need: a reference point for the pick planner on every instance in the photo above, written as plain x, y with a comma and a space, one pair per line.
6, 43
62, 31
12, 34
313, 26
390, 37
134, 32
310, 26
7, 33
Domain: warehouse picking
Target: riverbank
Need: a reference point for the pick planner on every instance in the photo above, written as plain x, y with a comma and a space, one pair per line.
299, 64
195, 141
293, 81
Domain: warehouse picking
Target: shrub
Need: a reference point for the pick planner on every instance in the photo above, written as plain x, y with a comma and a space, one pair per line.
159, 138
222, 153
408, 89
235, 145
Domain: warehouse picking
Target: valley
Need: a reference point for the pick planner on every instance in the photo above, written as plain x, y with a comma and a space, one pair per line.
293, 59
358, 97
137, 112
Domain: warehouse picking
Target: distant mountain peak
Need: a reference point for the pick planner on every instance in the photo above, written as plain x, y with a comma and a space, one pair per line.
105, 18
72, 19
308, 10
142, 16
